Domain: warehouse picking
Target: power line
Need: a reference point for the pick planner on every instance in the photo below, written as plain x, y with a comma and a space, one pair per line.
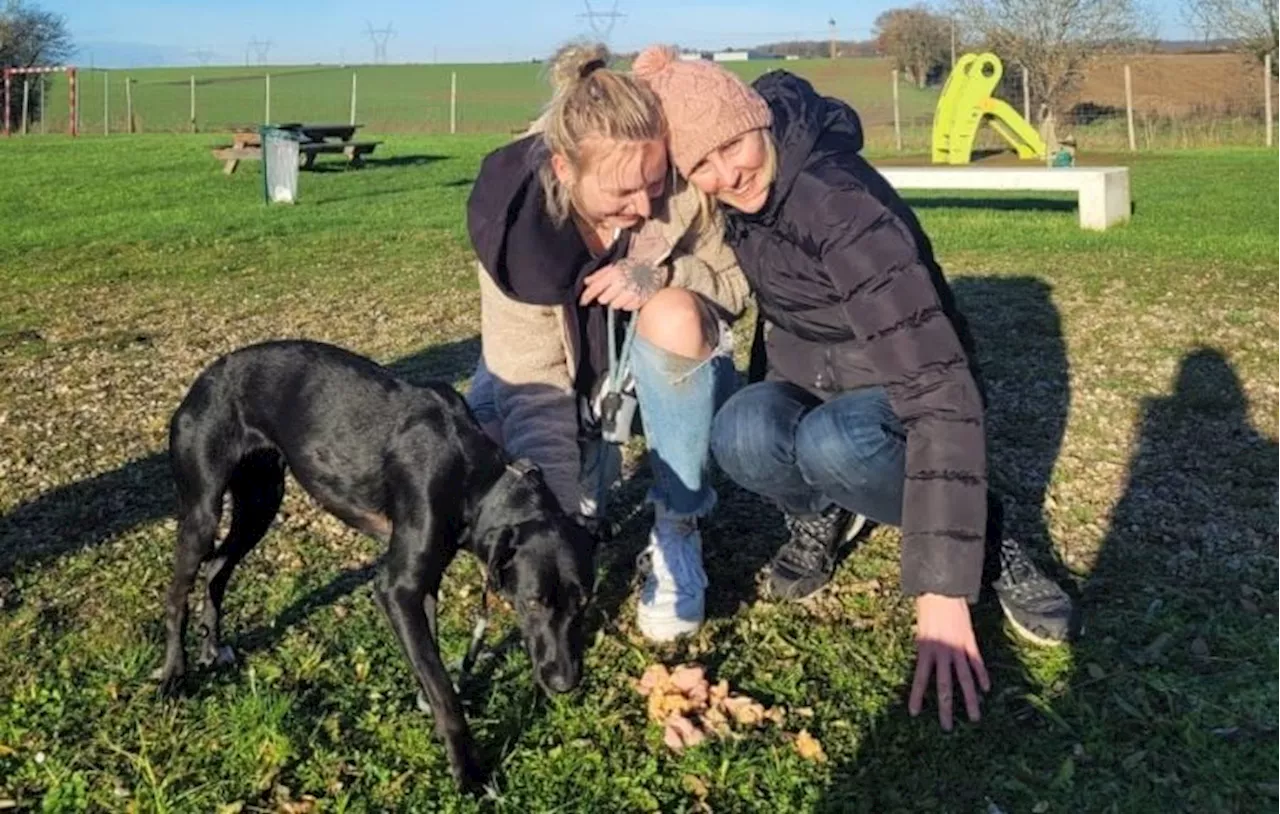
379, 37
602, 22
259, 49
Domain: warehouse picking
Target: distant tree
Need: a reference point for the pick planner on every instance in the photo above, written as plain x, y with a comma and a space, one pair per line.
1054, 40
915, 38
30, 37
1252, 24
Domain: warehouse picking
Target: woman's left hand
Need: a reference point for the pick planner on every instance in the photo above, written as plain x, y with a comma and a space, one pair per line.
626, 285
945, 642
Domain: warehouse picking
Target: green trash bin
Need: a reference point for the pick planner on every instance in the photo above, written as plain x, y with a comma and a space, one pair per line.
279, 164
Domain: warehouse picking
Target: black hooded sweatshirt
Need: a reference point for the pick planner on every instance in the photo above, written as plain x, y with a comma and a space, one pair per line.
850, 296
534, 260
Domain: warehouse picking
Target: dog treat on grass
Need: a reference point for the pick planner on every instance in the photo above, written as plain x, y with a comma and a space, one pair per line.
690, 708
808, 747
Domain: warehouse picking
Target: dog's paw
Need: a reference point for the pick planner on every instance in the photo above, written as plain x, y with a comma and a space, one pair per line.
465, 766
170, 680
216, 657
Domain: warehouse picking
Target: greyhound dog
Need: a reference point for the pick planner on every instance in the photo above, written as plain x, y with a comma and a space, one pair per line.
406, 464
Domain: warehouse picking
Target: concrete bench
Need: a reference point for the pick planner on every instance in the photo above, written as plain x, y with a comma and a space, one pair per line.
1102, 192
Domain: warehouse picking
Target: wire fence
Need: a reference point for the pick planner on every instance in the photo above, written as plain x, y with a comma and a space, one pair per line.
1173, 100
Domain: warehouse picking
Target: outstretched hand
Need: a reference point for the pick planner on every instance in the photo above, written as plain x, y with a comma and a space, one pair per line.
945, 644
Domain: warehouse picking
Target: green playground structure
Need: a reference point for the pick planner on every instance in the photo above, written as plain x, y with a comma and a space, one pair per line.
966, 103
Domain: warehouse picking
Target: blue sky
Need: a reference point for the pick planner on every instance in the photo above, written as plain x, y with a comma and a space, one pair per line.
121, 33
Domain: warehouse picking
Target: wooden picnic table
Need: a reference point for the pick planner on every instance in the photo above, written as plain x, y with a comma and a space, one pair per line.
246, 145
322, 132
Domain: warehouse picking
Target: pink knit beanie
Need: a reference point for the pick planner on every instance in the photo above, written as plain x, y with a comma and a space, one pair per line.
705, 104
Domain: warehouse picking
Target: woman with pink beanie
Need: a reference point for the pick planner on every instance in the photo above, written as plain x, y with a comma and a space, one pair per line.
865, 402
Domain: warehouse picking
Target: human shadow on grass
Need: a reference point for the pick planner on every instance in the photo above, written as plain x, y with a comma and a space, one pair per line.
907, 764
1179, 613
1169, 698
89, 512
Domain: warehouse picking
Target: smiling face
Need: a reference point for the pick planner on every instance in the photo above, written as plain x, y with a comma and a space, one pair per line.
615, 182
738, 173
549, 580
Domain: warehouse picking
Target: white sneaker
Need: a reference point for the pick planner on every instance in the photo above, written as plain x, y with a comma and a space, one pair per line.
673, 599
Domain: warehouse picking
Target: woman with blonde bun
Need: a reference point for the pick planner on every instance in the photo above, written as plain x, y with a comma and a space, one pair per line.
578, 217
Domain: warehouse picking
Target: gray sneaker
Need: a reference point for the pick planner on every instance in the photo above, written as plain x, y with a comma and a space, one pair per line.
1036, 606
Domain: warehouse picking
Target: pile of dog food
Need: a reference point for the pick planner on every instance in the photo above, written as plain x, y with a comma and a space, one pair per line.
690, 709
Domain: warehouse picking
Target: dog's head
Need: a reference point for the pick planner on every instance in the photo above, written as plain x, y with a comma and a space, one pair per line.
544, 564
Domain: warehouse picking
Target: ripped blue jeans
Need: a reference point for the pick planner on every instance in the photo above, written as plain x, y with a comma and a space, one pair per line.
678, 397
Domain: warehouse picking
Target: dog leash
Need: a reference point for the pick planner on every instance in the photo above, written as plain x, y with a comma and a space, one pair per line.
611, 398
520, 470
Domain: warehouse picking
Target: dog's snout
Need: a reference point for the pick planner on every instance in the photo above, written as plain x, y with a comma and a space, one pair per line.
560, 681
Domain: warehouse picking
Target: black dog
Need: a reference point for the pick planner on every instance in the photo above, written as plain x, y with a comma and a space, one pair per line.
406, 464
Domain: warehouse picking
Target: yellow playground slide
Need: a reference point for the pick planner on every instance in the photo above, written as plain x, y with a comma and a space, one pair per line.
966, 103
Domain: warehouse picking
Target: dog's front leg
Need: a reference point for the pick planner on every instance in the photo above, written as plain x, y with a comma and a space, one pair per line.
407, 587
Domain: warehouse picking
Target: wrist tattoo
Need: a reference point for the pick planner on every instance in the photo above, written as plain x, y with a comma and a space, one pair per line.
643, 279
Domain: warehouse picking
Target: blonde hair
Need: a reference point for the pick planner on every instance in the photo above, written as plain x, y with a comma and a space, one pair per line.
590, 100
710, 215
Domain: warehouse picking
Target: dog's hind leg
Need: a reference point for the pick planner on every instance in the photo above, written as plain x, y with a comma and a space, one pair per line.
197, 525
257, 487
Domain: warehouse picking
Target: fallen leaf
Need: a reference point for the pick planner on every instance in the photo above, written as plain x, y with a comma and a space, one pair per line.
694, 785
808, 747
1156, 649
1095, 671
304, 806
1200, 648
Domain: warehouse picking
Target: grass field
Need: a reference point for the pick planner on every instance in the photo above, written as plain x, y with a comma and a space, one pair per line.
1133, 384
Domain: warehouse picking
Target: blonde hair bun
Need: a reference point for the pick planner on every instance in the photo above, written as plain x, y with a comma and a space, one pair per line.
569, 62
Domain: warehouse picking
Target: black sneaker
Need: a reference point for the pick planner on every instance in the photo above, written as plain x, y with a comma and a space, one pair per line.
1037, 607
806, 562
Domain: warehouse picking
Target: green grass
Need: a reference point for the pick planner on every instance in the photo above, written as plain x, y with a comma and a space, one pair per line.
1132, 380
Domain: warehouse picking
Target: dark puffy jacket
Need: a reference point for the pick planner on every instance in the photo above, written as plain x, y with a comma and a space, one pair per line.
850, 296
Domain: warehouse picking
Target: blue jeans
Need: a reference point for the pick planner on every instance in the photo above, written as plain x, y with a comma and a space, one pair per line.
678, 399
781, 442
